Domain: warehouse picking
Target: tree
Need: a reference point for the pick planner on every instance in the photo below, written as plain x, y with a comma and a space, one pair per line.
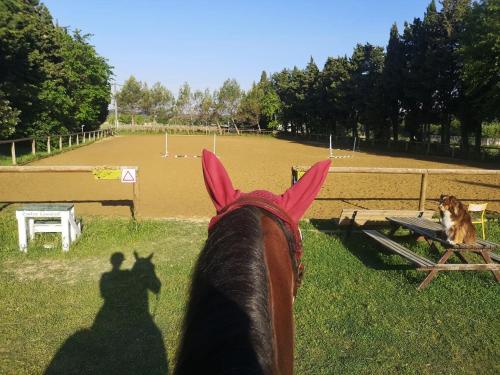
229, 97
183, 104
130, 97
392, 80
250, 108
480, 74
53, 80
367, 63
9, 118
335, 81
271, 104
161, 100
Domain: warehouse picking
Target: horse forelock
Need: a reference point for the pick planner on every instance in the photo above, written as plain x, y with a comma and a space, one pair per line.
228, 323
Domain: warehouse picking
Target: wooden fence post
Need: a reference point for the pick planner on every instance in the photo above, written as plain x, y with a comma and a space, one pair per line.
77, 139
83, 137
13, 153
48, 144
135, 190
69, 141
60, 143
33, 146
423, 191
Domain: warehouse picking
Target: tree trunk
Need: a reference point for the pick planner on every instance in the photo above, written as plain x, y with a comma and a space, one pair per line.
237, 130
464, 125
445, 130
395, 127
477, 137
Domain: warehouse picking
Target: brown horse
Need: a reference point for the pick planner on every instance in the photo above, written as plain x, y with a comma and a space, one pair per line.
239, 318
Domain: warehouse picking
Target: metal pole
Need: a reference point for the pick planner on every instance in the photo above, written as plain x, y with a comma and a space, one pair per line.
116, 108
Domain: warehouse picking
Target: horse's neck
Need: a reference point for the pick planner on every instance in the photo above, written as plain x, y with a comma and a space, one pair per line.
228, 326
281, 285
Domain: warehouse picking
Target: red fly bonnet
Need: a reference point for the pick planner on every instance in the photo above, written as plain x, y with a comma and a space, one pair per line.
289, 207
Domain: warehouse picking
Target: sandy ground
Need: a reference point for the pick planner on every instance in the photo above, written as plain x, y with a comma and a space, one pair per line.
174, 187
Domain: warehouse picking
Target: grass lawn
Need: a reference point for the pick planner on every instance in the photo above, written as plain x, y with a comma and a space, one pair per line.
358, 311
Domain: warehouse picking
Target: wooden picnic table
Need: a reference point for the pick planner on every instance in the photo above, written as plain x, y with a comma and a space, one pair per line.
433, 232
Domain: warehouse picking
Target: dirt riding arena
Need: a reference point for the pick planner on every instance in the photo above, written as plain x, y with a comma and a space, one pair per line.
173, 187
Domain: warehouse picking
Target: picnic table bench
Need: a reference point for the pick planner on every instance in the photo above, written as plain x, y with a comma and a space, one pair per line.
363, 216
432, 233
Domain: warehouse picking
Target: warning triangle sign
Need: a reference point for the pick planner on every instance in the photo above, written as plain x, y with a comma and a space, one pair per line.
128, 177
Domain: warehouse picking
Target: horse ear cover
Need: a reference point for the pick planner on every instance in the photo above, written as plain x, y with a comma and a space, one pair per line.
295, 201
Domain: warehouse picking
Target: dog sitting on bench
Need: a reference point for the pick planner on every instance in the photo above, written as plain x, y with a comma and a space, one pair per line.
456, 220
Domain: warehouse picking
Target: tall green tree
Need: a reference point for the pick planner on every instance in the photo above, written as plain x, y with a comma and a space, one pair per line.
367, 63
392, 80
184, 102
130, 98
480, 74
335, 80
229, 97
250, 107
161, 101
270, 103
53, 80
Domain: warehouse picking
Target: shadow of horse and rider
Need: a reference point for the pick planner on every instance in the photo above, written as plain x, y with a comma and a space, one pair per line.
124, 338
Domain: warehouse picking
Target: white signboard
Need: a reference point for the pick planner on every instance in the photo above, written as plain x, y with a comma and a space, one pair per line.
128, 176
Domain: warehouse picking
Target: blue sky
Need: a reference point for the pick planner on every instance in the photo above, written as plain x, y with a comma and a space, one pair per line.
205, 42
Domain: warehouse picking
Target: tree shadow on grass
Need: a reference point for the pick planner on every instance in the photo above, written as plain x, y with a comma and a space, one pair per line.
124, 338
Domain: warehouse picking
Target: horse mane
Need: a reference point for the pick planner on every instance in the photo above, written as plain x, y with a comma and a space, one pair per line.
228, 324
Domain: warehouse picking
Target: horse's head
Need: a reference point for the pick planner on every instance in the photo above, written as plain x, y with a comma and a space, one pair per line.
144, 271
289, 206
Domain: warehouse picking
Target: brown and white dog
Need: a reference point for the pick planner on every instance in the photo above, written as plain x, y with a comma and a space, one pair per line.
456, 221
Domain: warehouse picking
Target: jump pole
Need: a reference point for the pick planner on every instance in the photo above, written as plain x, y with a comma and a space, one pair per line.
214, 144
354, 144
331, 151
165, 155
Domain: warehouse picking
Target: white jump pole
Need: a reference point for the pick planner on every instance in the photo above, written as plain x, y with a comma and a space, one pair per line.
331, 153
214, 144
165, 155
354, 145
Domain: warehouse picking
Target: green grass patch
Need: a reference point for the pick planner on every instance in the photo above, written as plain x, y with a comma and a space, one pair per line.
358, 311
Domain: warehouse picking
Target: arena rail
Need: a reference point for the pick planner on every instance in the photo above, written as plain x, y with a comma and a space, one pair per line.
80, 137
83, 169
190, 129
298, 171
